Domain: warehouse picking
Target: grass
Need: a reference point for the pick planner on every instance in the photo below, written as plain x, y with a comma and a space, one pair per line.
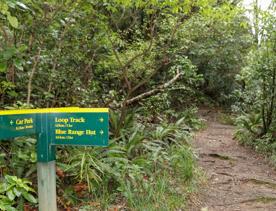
146, 168
168, 189
167, 193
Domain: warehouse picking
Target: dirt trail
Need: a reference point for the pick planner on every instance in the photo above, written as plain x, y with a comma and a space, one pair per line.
238, 178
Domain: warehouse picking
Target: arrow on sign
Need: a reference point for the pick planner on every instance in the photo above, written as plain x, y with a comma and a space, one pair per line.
11, 122
101, 132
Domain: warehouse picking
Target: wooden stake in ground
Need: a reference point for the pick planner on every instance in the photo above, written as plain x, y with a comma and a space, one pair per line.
46, 175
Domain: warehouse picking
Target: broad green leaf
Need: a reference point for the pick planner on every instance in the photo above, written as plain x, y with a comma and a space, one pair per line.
22, 48
29, 197
3, 67
4, 8
18, 64
13, 21
3, 187
11, 195
11, 179
16, 192
9, 53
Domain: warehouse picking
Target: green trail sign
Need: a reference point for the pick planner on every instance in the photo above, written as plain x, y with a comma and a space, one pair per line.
17, 125
57, 126
63, 126
78, 128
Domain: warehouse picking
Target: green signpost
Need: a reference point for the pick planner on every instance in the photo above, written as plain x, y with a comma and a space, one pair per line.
17, 125
78, 128
57, 126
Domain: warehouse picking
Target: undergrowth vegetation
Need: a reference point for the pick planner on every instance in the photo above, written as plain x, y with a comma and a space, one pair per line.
147, 167
256, 97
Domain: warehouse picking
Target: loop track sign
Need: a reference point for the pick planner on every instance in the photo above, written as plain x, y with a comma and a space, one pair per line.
55, 126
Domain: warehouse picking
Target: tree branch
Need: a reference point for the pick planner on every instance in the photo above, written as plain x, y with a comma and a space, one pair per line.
124, 67
36, 60
154, 91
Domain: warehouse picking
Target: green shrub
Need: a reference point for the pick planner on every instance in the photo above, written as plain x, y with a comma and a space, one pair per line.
13, 192
135, 167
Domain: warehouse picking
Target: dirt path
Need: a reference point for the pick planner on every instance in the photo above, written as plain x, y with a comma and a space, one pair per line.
238, 178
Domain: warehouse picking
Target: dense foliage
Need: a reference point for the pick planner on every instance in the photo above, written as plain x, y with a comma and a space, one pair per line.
257, 93
151, 62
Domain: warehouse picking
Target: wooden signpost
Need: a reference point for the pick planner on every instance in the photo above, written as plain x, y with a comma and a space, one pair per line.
57, 126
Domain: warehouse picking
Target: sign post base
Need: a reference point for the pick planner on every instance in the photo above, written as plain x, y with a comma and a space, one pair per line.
47, 198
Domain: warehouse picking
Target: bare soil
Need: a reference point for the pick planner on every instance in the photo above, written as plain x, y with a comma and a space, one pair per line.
238, 178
